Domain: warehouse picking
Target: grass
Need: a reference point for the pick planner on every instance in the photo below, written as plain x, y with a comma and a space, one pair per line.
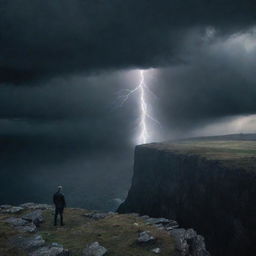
232, 153
6, 232
118, 233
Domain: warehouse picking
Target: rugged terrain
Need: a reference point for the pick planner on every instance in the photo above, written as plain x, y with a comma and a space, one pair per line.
28, 230
205, 183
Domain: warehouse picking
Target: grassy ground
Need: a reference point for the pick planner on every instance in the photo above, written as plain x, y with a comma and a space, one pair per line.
118, 233
232, 153
5, 233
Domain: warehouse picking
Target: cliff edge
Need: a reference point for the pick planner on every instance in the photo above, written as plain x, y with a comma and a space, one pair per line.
27, 230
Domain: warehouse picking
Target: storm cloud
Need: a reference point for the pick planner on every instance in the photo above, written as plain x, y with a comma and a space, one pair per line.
218, 81
44, 39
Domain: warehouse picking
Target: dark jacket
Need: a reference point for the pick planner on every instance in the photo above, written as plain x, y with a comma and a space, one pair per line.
59, 200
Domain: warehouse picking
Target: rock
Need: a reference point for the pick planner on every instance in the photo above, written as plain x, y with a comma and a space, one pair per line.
134, 214
94, 249
145, 237
159, 226
144, 217
181, 242
31, 228
35, 206
28, 243
5, 206
54, 244
36, 217
190, 234
189, 243
16, 221
171, 225
98, 215
50, 251
197, 246
152, 221
12, 209
21, 224
156, 250
28, 205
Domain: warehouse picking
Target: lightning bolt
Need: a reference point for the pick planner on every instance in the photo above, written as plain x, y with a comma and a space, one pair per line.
141, 88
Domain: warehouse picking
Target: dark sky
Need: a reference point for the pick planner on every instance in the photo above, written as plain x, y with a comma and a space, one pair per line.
64, 64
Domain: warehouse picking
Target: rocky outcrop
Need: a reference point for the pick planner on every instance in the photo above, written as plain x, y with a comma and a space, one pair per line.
145, 237
154, 235
216, 200
29, 243
94, 249
35, 217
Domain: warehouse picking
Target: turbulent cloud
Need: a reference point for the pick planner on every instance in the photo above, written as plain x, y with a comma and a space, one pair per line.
219, 81
49, 38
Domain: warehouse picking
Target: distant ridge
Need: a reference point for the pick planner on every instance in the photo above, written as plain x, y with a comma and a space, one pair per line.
236, 136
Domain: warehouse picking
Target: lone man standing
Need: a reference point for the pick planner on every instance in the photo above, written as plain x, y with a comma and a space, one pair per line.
60, 204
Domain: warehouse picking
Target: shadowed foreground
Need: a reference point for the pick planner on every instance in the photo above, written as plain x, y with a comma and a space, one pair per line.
116, 232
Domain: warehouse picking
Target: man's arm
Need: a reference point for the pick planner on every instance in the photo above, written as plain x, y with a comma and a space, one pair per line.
64, 201
53, 199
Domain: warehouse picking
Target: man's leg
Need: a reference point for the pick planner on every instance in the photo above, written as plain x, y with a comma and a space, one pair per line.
55, 217
61, 217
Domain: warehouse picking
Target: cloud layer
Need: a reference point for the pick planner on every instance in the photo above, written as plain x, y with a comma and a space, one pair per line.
43, 39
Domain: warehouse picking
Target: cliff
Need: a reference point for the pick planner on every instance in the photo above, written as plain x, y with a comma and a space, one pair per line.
208, 184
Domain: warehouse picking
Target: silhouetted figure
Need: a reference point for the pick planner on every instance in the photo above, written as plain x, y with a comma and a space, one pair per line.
60, 204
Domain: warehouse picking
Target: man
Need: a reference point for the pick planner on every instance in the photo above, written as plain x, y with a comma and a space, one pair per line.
60, 204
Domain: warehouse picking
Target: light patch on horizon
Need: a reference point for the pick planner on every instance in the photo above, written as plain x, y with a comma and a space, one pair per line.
238, 124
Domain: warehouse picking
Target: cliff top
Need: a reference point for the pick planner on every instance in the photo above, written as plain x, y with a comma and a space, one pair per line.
28, 230
231, 150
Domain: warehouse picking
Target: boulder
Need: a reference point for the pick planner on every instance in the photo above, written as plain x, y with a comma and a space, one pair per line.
35, 206
30, 228
36, 217
171, 225
144, 217
21, 224
189, 243
12, 209
28, 205
94, 249
54, 244
145, 237
28, 243
181, 243
98, 215
50, 251
16, 221
152, 221
156, 250
5, 206
159, 226
197, 246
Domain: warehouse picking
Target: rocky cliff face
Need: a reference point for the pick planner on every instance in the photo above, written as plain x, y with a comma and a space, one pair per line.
216, 199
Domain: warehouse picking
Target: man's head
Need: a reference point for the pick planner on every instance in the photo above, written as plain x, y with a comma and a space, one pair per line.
59, 188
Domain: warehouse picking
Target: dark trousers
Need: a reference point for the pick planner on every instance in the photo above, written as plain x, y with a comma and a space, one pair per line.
58, 211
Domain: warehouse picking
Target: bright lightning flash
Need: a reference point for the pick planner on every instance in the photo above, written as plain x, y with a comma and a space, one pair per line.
144, 114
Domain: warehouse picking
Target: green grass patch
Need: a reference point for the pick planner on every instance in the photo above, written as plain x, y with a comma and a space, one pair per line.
118, 233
